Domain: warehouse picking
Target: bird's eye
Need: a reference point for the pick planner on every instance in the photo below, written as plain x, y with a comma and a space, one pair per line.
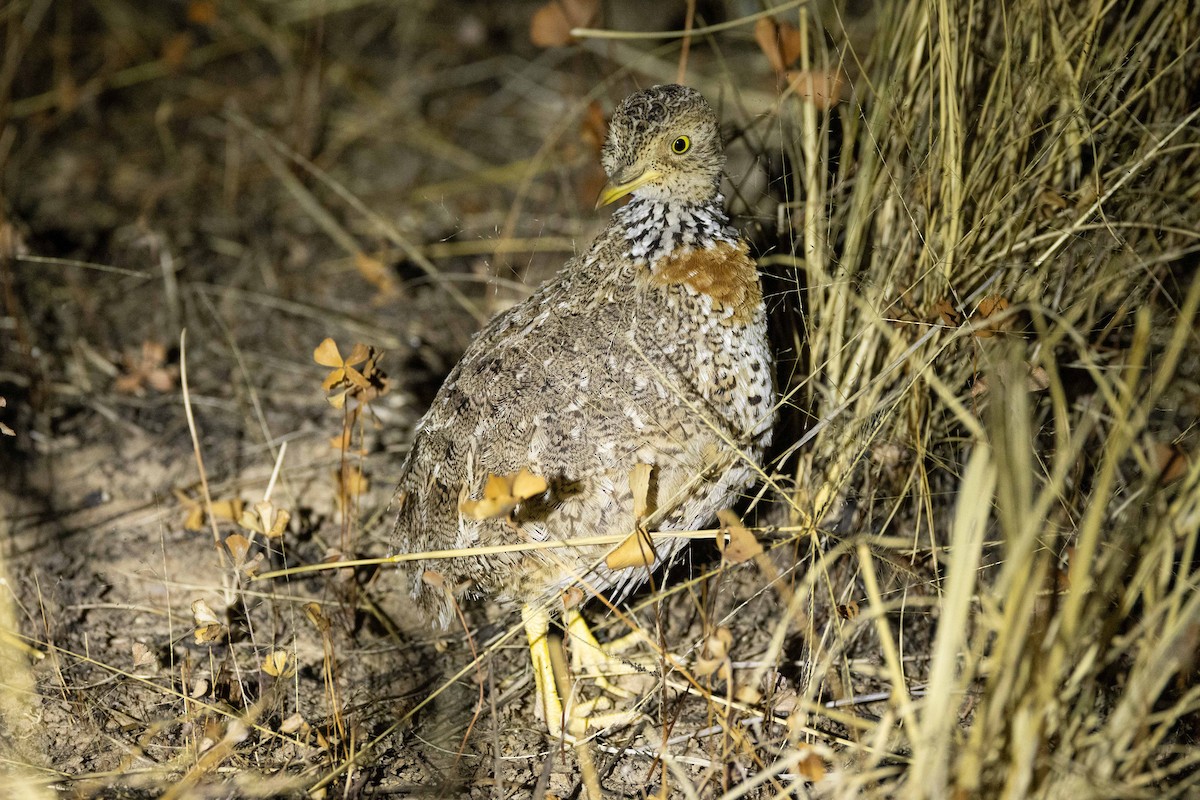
681, 145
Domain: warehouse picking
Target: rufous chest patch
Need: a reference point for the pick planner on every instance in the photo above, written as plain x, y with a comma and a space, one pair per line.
725, 272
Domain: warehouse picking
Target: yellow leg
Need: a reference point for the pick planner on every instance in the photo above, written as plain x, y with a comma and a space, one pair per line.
566, 719
537, 630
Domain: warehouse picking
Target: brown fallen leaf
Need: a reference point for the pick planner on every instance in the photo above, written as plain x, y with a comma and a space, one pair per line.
148, 368
266, 519
714, 655
948, 313
376, 273
742, 545
779, 42
636, 551
991, 306
502, 494
823, 88
279, 664
551, 24
209, 628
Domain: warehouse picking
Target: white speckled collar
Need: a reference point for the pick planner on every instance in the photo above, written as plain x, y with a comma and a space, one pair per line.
656, 229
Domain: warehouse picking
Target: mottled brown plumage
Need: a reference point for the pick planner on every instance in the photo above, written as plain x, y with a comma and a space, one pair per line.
649, 347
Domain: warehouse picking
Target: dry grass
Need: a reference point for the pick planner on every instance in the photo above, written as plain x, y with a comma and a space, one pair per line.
981, 526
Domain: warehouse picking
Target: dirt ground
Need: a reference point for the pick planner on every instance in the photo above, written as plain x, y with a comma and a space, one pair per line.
977, 235
266, 177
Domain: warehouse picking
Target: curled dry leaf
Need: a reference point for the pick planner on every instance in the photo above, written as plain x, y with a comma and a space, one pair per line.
1037, 380
346, 378
811, 765
636, 551
238, 547
823, 88
295, 724
264, 518
209, 627
1172, 462
779, 42
948, 313
742, 545
573, 597
502, 494
317, 617
223, 510
144, 658
593, 129
351, 483
376, 273
4, 429
148, 369
279, 664
639, 484
202, 12
551, 24
715, 653
344, 443
993, 306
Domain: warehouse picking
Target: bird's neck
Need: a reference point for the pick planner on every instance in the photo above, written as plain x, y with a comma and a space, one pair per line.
655, 229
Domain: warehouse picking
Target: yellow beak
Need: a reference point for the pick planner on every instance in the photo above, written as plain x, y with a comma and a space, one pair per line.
615, 191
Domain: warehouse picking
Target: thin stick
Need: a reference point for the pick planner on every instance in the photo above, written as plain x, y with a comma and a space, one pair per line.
600, 33
687, 40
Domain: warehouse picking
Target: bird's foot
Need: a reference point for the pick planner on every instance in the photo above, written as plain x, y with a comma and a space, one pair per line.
572, 719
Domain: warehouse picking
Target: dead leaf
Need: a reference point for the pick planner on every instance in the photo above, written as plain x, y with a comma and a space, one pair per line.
376, 273
714, 655
351, 483
779, 42
1039, 381
823, 88
238, 547
639, 484
811, 766
1172, 462
594, 128
264, 518
636, 551
346, 379
950, 316
294, 724
223, 510
202, 12
502, 494
209, 627
317, 617
551, 24
991, 306
279, 664
143, 657
4, 429
148, 368
175, 50
742, 545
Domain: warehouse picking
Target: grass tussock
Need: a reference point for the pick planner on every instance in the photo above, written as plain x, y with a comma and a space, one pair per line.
971, 571
1000, 296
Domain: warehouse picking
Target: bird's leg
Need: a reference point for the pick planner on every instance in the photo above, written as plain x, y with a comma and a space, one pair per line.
537, 630
553, 683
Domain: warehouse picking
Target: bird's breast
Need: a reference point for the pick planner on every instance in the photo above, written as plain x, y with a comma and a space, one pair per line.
722, 272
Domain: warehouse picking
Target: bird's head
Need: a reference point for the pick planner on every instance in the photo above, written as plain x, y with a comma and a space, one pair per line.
663, 144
